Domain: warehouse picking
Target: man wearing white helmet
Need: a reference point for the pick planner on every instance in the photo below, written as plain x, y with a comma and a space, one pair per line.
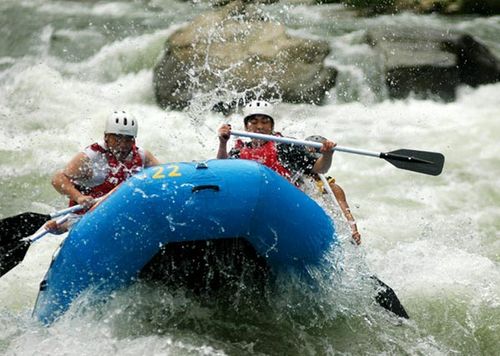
288, 160
104, 165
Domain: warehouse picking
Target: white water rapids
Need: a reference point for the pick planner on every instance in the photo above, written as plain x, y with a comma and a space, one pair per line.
435, 240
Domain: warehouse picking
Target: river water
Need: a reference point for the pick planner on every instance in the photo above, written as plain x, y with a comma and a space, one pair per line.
434, 240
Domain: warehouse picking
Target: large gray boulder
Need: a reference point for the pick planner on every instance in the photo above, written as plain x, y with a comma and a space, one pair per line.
432, 63
237, 51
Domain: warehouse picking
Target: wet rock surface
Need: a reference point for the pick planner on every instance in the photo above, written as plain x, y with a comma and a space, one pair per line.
237, 49
431, 63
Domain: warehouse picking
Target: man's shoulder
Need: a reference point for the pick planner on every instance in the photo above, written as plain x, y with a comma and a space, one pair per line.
95, 150
143, 152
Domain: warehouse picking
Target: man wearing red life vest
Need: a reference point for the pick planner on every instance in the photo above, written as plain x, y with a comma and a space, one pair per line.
104, 165
287, 160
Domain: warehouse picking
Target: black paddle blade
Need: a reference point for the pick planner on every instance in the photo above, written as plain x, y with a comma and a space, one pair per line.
387, 299
19, 226
16, 227
12, 231
11, 255
418, 161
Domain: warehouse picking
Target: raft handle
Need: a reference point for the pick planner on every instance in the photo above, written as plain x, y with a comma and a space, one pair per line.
202, 165
206, 186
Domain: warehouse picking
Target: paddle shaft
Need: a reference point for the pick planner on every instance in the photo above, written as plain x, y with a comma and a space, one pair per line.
71, 209
327, 187
411, 160
66, 212
303, 143
44, 232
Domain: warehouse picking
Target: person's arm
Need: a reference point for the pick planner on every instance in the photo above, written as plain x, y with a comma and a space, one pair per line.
150, 159
57, 229
77, 168
342, 201
324, 162
223, 134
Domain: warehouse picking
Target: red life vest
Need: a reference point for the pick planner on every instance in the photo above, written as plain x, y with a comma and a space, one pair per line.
118, 172
267, 154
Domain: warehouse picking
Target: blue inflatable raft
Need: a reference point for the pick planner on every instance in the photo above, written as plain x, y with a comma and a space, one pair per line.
218, 200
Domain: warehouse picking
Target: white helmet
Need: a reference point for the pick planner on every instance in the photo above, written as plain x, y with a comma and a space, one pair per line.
121, 123
257, 107
316, 138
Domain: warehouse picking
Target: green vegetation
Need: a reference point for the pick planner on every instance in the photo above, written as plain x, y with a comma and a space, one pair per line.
483, 7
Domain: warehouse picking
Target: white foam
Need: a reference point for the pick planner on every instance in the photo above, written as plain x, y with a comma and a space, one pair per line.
425, 236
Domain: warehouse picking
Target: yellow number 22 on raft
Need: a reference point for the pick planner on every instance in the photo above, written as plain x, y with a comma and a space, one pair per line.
173, 173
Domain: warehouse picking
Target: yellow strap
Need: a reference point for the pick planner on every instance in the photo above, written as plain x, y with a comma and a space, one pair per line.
319, 183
